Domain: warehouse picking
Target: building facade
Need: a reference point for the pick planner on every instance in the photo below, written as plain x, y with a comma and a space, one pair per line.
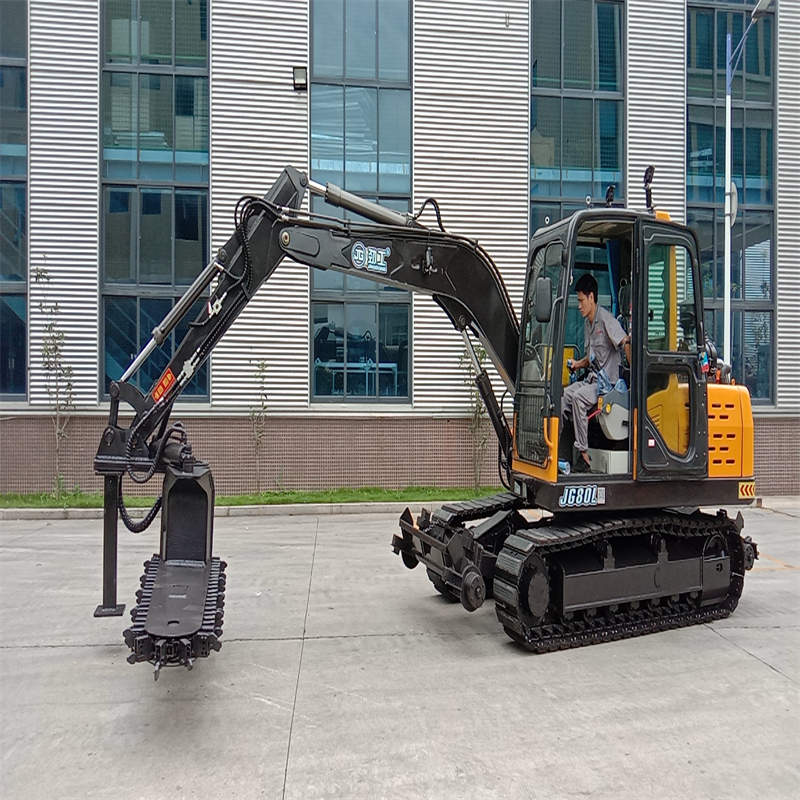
130, 128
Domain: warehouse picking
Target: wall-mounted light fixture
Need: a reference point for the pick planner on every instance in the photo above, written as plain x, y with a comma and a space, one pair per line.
300, 78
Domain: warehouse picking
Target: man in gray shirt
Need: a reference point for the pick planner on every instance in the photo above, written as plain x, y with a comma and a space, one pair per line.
603, 338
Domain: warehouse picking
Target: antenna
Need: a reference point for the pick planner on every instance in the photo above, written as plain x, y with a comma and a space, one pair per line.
648, 192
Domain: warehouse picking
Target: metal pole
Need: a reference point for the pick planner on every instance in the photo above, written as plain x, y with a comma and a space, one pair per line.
109, 607
726, 345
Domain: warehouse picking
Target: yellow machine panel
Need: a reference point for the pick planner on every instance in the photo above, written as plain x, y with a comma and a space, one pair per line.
730, 432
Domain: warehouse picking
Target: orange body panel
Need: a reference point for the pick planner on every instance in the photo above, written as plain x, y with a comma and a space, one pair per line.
550, 471
730, 432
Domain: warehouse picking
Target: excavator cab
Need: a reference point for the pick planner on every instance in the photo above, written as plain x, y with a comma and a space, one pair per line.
649, 434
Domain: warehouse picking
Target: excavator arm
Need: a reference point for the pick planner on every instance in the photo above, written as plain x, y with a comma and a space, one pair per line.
394, 249
180, 605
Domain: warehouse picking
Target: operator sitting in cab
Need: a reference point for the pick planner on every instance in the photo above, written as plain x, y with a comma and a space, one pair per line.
603, 338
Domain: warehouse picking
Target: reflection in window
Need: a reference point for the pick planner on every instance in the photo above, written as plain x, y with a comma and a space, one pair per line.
128, 323
753, 156
155, 140
13, 198
576, 103
360, 108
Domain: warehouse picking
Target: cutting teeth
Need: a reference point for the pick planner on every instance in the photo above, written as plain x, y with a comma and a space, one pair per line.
177, 651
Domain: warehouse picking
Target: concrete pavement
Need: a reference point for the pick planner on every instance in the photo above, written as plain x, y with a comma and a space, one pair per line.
344, 675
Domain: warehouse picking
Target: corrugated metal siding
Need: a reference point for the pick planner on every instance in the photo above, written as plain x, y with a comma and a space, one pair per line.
258, 125
471, 102
788, 206
656, 102
64, 125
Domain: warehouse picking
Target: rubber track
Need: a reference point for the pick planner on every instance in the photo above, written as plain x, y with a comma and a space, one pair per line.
171, 651
468, 510
547, 538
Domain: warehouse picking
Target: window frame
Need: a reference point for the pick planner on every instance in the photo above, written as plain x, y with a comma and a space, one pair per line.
595, 95
716, 102
167, 291
344, 295
22, 287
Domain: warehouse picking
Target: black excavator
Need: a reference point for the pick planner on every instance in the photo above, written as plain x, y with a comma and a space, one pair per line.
570, 558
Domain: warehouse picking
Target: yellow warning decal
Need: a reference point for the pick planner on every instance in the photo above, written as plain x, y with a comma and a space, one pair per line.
747, 489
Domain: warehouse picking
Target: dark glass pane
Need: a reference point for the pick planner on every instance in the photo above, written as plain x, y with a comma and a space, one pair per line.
393, 350
394, 152
119, 324
191, 33
119, 31
13, 122
360, 36
191, 234
361, 351
700, 53
758, 255
152, 311
701, 221
155, 23
728, 22
119, 125
13, 343
758, 157
545, 146
327, 37
758, 61
328, 349
609, 47
327, 134
578, 44
198, 385
13, 232
543, 214
608, 148
545, 44
13, 29
155, 236
393, 40
191, 129
119, 234
758, 350
700, 154
155, 127
736, 257
737, 153
361, 139
576, 161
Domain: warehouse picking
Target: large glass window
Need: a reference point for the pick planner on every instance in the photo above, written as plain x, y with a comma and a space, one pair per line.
155, 155
13, 199
752, 171
577, 112
361, 140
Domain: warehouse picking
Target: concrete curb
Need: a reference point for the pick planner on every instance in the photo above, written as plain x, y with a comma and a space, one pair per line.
287, 509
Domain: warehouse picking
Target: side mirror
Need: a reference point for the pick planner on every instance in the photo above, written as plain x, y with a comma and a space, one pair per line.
543, 299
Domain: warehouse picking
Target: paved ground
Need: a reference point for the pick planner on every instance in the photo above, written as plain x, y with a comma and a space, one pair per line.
343, 675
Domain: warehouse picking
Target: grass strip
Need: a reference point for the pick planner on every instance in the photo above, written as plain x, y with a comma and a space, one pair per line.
367, 494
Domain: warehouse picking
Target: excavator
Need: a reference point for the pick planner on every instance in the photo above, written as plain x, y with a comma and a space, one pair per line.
569, 558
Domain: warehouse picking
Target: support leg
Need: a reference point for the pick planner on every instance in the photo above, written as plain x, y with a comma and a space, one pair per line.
109, 607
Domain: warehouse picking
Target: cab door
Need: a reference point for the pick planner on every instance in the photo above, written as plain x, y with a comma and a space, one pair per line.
672, 421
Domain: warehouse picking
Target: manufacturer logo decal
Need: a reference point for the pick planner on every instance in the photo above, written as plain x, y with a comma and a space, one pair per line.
373, 259
747, 489
585, 495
